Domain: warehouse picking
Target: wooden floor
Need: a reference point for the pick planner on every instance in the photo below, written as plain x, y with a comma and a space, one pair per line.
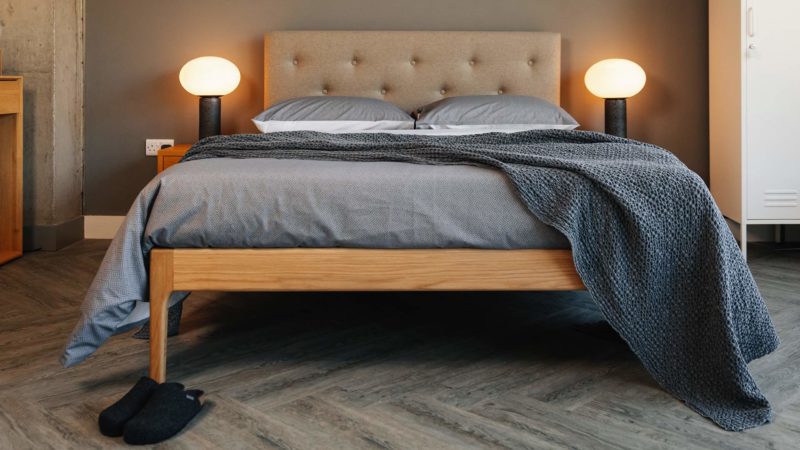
373, 370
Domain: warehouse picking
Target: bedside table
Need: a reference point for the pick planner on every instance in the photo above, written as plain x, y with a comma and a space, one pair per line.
10, 168
171, 155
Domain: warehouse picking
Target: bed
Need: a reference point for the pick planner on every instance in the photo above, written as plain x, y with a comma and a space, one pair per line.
521, 211
409, 69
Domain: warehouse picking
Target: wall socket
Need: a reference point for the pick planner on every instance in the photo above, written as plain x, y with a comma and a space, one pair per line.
152, 146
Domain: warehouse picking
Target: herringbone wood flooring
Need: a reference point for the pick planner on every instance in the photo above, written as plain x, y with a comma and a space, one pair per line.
535, 370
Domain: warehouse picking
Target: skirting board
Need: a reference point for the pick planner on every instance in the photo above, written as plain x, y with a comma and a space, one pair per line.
105, 227
765, 233
52, 237
101, 227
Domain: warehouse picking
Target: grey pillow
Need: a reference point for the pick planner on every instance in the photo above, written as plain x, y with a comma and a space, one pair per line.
502, 112
333, 114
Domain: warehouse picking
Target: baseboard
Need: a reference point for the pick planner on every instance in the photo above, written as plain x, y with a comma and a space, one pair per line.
764, 233
101, 227
105, 227
52, 237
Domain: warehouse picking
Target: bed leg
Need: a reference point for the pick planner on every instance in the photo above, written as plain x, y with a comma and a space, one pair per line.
160, 290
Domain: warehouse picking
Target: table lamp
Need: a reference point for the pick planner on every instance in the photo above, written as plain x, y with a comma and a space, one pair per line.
210, 77
615, 80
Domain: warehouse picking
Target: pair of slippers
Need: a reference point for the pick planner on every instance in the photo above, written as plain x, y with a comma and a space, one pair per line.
150, 412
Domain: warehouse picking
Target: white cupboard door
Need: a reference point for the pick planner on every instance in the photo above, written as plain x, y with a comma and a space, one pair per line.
773, 109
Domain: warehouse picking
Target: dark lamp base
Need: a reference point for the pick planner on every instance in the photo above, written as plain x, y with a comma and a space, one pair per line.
210, 113
616, 117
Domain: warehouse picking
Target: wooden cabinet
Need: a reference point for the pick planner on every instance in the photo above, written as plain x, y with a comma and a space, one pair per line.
754, 97
171, 155
10, 168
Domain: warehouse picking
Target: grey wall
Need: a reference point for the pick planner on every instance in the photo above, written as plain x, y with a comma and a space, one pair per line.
43, 41
134, 50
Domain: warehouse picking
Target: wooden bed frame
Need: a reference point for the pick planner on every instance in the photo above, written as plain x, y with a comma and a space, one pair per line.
410, 69
345, 270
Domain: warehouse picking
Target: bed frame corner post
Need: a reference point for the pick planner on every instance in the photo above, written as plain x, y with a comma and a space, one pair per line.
161, 286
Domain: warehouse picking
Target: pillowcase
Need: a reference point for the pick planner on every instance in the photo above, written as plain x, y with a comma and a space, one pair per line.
333, 115
500, 112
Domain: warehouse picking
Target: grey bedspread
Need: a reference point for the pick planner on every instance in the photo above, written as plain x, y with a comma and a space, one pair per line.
648, 241
647, 238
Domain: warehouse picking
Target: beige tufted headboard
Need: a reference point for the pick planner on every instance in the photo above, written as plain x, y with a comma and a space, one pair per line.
411, 68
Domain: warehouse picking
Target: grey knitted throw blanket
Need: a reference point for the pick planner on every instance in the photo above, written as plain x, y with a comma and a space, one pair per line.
648, 242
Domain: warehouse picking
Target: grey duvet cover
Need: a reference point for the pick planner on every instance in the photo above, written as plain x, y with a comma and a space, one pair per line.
263, 203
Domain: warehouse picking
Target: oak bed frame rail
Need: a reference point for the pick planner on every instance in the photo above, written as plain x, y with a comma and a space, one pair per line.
345, 269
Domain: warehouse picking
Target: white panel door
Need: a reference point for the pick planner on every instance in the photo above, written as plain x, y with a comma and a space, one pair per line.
773, 109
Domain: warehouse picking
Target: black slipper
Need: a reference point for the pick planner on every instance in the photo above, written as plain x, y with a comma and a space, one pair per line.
169, 409
112, 419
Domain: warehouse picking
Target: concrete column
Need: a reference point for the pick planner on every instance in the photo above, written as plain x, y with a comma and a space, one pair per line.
42, 40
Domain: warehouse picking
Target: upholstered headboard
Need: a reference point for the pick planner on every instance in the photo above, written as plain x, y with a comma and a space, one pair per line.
411, 68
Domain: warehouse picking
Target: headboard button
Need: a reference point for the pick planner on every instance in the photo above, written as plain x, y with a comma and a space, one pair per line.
471, 62
499, 92
324, 92
443, 91
413, 62
530, 62
294, 62
354, 62
383, 91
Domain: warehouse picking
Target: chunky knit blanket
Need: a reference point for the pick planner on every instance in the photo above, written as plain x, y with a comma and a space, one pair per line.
648, 242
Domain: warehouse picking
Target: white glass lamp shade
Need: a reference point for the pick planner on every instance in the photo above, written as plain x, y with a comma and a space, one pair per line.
615, 78
210, 76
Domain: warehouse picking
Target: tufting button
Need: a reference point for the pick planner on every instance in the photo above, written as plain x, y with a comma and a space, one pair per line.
471, 62
530, 62
294, 62
325, 92
383, 91
500, 92
354, 62
413, 62
443, 91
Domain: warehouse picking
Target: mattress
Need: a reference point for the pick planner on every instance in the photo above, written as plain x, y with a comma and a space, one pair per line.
260, 203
